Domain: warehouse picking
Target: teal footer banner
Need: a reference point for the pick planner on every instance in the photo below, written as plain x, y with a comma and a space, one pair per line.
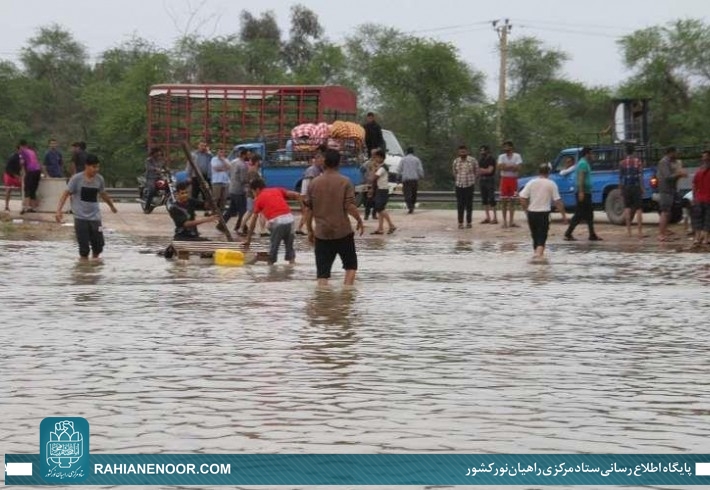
358, 469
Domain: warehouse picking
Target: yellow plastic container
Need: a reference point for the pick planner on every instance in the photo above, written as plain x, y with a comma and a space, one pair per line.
224, 256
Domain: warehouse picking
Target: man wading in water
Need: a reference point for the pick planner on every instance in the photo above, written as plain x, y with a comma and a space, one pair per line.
535, 198
86, 188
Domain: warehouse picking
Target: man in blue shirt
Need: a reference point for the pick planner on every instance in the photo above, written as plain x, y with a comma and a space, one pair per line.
53, 162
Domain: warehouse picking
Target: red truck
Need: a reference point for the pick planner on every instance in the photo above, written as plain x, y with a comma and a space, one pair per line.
258, 116
227, 114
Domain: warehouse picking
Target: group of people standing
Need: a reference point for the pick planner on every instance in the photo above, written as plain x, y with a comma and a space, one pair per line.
467, 170
85, 186
24, 171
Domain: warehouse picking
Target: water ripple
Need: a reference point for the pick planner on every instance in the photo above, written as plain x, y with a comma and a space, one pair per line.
443, 346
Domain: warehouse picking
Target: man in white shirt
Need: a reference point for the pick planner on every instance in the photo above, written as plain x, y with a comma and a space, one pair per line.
381, 176
412, 171
509, 166
219, 179
536, 198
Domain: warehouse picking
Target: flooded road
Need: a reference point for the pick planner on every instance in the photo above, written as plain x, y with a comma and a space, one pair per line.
444, 345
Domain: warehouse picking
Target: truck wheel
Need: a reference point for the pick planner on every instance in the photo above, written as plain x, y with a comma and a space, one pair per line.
614, 207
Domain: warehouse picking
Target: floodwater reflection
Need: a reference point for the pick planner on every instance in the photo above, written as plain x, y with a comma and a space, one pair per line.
87, 272
443, 345
330, 335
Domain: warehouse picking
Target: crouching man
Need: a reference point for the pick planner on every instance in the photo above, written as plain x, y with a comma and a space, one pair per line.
272, 204
183, 214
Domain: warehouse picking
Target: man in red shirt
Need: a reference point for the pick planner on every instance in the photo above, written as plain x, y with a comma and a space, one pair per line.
272, 204
701, 201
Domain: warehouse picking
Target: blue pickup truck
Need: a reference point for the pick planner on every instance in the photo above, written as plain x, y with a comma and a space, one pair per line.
605, 177
285, 168
605, 181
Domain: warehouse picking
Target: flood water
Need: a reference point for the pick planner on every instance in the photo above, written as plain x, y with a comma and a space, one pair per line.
443, 345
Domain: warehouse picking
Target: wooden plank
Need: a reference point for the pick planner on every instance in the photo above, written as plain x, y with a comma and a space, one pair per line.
206, 246
184, 249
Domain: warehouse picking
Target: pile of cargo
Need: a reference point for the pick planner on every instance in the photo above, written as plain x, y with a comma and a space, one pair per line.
339, 135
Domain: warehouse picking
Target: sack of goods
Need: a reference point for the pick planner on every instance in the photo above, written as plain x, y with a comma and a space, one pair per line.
347, 130
309, 133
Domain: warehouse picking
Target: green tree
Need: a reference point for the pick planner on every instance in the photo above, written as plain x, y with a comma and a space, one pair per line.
17, 106
305, 32
557, 114
56, 62
671, 65
531, 65
329, 65
217, 60
420, 86
117, 97
262, 28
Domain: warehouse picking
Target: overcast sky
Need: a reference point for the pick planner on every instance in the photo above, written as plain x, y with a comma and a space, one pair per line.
587, 31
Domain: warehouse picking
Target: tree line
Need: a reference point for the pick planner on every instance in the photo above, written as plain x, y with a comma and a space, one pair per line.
420, 88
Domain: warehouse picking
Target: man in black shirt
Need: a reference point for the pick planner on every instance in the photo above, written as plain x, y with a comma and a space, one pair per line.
487, 173
183, 214
373, 134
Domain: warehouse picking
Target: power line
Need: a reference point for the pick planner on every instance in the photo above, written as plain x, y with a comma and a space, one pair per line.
570, 31
462, 31
444, 28
577, 24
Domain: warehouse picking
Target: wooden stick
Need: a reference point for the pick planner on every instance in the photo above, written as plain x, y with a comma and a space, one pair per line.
206, 190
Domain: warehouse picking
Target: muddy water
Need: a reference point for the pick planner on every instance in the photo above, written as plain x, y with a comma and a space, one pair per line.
444, 345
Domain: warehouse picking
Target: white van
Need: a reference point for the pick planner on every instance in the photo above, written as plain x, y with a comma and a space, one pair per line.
394, 156
393, 160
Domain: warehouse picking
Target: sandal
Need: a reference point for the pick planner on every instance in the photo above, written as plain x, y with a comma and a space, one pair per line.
392, 230
494, 222
485, 221
377, 232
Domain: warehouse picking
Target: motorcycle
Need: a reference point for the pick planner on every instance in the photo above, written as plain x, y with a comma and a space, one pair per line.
164, 193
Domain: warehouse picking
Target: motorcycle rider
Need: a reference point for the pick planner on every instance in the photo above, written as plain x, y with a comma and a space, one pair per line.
153, 171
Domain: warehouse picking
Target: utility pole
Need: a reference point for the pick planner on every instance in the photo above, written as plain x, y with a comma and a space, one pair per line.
502, 29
